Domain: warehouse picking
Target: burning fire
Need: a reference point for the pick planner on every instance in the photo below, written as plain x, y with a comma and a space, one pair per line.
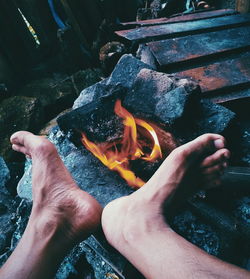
117, 155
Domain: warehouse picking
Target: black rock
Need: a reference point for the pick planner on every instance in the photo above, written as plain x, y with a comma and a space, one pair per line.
96, 119
4, 173
126, 70
17, 113
162, 96
91, 93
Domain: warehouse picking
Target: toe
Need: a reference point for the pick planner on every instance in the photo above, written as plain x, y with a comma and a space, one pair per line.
18, 137
31, 145
215, 170
220, 156
200, 147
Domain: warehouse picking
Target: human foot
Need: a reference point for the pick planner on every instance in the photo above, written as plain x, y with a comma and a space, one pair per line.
184, 170
58, 203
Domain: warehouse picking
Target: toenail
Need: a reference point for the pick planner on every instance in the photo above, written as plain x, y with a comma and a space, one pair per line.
219, 143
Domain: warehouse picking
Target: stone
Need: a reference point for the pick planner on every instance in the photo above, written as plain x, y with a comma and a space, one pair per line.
90, 94
145, 55
215, 118
126, 70
58, 94
85, 78
17, 113
159, 94
8, 206
4, 173
54, 96
16, 173
45, 131
96, 119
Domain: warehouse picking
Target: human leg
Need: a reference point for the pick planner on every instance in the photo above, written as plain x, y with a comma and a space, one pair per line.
136, 227
62, 214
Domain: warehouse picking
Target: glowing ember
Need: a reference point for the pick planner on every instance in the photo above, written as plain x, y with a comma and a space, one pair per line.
117, 155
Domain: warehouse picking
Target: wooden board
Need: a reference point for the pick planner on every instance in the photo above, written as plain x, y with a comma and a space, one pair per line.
174, 51
224, 76
180, 18
157, 32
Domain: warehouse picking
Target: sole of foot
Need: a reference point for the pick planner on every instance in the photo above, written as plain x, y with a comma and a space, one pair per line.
58, 203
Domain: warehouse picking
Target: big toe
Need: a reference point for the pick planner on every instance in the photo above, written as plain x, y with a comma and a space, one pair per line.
26, 142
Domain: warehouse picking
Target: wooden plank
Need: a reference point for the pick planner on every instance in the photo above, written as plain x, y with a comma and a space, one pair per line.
227, 75
187, 49
180, 18
144, 34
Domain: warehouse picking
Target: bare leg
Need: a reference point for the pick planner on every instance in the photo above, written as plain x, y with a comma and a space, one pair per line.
135, 225
62, 214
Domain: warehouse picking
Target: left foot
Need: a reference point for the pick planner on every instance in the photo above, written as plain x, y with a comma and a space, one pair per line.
59, 205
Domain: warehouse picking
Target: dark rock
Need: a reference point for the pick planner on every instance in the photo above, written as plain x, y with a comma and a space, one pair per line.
207, 118
145, 55
161, 95
8, 207
17, 113
200, 234
126, 70
214, 117
51, 124
16, 173
13, 227
96, 119
85, 78
4, 173
91, 93
54, 96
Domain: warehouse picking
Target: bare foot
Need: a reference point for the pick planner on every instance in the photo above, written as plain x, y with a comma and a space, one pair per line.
190, 166
59, 205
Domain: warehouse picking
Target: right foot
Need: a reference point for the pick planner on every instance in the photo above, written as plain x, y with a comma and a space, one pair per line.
184, 170
58, 203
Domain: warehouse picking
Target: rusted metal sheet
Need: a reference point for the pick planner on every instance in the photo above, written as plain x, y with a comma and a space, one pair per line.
180, 18
174, 51
231, 96
226, 75
157, 32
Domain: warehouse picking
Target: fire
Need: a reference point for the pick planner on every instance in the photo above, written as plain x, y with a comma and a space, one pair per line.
117, 155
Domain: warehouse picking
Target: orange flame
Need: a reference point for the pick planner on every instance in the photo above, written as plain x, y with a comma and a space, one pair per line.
117, 159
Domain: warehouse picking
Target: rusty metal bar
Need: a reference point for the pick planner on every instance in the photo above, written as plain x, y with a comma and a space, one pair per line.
180, 18
157, 32
227, 75
187, 49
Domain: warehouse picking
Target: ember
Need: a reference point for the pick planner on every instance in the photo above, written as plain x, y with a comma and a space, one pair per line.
139, 141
